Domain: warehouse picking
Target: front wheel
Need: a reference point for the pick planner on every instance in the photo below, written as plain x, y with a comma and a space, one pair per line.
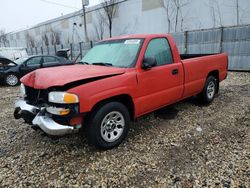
108, 125
209, 91
11, 79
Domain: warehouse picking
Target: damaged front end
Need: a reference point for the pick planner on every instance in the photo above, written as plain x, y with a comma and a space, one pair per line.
55, 112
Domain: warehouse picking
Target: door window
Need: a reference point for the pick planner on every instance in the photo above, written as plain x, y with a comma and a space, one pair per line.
159, 48
35, 61
50, 61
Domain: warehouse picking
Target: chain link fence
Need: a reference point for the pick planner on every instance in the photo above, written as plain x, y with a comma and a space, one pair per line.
77, 50
233, 40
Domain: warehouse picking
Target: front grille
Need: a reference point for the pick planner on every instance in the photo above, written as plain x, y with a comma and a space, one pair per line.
35, 96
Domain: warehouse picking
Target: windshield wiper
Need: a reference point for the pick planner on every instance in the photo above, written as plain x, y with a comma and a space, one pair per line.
84, 62
102, 64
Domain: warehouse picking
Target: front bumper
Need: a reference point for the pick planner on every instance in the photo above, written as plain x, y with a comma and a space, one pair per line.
36, 117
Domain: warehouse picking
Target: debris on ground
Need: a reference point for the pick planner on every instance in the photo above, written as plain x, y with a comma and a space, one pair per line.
163, 149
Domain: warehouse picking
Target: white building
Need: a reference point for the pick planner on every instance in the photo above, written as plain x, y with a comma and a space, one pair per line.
137, 16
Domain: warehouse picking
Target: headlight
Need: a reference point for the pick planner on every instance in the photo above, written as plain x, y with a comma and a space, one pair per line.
22, 90
63, 98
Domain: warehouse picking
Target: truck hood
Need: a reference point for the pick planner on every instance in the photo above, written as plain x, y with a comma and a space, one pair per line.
60, 76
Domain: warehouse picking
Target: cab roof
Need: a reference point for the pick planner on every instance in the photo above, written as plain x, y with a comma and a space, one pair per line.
134, 36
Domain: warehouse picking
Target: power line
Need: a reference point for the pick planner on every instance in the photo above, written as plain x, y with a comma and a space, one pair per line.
59, 4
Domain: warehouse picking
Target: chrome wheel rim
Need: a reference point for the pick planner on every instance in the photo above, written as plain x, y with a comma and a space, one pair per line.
11, 80
112, 126
211, 90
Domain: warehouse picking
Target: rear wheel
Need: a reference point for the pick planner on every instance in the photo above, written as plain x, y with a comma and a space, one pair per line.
11, 79
108, 125
208, 93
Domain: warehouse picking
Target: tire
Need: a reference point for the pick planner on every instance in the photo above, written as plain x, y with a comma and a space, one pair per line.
210, 89
108, 125
11, 79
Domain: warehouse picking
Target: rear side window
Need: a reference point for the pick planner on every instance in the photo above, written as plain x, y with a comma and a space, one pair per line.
159, 48
50, 59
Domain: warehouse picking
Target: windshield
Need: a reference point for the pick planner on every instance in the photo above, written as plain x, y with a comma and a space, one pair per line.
118, 53
20, 60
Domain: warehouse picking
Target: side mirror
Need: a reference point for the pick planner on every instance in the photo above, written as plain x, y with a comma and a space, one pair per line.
148, 63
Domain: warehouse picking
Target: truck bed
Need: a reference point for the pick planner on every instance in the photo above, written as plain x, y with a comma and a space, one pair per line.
197, 67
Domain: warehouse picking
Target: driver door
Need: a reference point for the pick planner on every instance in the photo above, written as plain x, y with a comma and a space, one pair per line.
162, 84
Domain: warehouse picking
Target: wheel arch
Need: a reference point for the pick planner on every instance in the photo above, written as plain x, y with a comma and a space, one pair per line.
125, 99
12, 72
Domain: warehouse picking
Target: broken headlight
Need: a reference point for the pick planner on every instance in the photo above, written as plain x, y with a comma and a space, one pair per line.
63, 98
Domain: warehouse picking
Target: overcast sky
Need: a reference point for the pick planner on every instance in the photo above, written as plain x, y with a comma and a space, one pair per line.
20, 14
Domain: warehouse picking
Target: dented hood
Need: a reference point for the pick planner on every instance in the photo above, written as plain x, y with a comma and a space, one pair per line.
60, 76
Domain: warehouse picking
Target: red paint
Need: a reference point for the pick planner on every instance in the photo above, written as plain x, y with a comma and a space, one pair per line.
76, 120
149, 89
59, 76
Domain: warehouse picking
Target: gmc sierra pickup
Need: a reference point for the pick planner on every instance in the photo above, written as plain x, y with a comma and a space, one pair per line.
118, 80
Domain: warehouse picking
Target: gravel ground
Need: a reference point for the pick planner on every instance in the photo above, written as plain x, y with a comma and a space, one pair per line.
184, 145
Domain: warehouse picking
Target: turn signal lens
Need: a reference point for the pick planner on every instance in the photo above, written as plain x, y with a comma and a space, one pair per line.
70, 98
64, 112
58, 111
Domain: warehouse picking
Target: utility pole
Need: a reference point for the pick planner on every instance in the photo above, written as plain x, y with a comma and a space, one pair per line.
85, 3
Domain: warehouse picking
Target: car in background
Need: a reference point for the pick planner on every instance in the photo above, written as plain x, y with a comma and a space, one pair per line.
12, 71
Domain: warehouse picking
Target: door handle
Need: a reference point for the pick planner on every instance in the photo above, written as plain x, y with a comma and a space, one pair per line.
175, 71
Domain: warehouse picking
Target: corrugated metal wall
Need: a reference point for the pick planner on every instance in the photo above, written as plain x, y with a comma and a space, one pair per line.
233, 40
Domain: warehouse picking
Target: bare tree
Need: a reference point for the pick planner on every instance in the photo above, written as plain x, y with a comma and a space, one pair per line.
45, 39
110, 9
215, 13
166, 4
239, 10
179, 4
30, 41
174, 13
105, 19
55, 37
3, 38
99, 26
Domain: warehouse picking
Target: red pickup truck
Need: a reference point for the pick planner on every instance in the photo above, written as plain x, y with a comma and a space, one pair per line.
118, 80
